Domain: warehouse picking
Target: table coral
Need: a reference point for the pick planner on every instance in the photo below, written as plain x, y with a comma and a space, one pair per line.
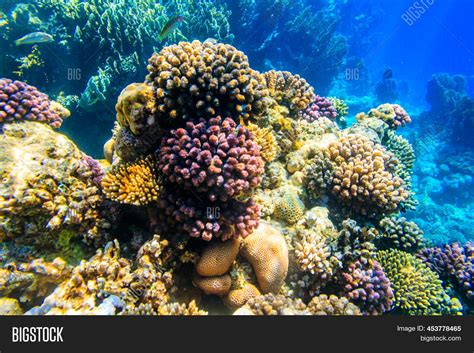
133, 183
205, 79
290, 90
217, 159
266, 250
454, 264
399, 233
20, 101
418, 290
318, 108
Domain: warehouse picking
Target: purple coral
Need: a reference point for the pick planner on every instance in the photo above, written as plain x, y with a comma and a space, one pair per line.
185, 214
93, 169
320, 107
19, 101
401, 116
215, 157
367, 286
453, 263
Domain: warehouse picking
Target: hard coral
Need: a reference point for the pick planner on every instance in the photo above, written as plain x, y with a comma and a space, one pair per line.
217, 159
417, 289
217, 285
20, 101
398, 233
270, 304
217, 258
266, 250
392, 114
135, 107
332, 305
264, 138
205, 79
318, 108
289, 208
288, 89
133, 183
238, 297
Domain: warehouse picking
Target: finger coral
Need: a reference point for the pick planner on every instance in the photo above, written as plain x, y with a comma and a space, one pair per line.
367, 286
454, 264
185, 214
290, 90
20, 101
417, 289
205, 79
214, 158
332, 305
318, 108
398, 233
266, 250
133, 183
135, 107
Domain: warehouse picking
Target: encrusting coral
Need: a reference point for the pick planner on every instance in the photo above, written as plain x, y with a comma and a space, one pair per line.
20, 101
289, 90
417, 289
201, 79
266, 250
133, 183
216, 158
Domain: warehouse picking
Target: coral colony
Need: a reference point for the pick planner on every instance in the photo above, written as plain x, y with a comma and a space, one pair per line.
222, 189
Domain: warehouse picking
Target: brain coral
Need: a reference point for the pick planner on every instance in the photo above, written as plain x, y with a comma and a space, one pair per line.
454, 264
215, 157
238, 297
185, 214
218, 285
217, 258
205, 79
362, 181
19, 101
417, 289
266, 250
398, 233
289, 208
133, 183
289, 90
135, 107
48, 187
367, 286
318, 108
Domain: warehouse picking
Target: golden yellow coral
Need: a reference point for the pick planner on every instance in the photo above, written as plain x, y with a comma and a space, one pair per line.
238, 297
218, 285
288, 89
289, 208
133, 183
266, 140
135, 107
217, 258
266, 250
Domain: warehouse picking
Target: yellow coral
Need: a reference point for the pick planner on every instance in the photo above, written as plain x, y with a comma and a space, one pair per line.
133, 183
218, 285
238, 297
217, 258
289, 208
266, 250
266, 140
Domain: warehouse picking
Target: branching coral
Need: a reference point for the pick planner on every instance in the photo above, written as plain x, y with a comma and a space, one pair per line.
289, 90
205, 79
398, 233
19, 101
270, 304
332, 305
355, 243
215, 158
318, 108
454, 264
417, 289
264, 138
133, 183
342, 109
367, 286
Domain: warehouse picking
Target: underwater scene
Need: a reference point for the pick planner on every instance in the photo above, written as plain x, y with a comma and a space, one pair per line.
236, 157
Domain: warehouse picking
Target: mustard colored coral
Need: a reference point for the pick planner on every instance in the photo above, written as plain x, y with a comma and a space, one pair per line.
217, 257
265, 138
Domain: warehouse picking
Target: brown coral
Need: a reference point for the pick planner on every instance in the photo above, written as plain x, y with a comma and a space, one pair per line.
332, 305
238, 297
205, 79
218, 285
267, 252
133, 183
217, 258
288, 89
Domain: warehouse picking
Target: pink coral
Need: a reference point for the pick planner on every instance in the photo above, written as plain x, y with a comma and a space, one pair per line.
320, 107
19, 101
401, 116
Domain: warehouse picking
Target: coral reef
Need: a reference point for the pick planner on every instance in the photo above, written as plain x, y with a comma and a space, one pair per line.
205, 79
417, 289
264, 138
289, 208
270, 304
398, 233
318, 108
217, 285
20, 101
217, 258
332, 305
391, 114
289, 90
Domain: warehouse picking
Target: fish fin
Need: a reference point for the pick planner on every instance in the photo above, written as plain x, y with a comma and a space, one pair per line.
18, 42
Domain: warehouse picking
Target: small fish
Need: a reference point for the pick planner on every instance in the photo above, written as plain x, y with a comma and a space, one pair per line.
388, 74
34, 38
3, 23
170, 26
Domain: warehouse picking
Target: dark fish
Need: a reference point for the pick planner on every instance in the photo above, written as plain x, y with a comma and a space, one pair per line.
170, 26
388, 74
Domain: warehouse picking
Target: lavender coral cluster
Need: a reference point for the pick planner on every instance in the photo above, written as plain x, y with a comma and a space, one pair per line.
20, 101
319, 108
